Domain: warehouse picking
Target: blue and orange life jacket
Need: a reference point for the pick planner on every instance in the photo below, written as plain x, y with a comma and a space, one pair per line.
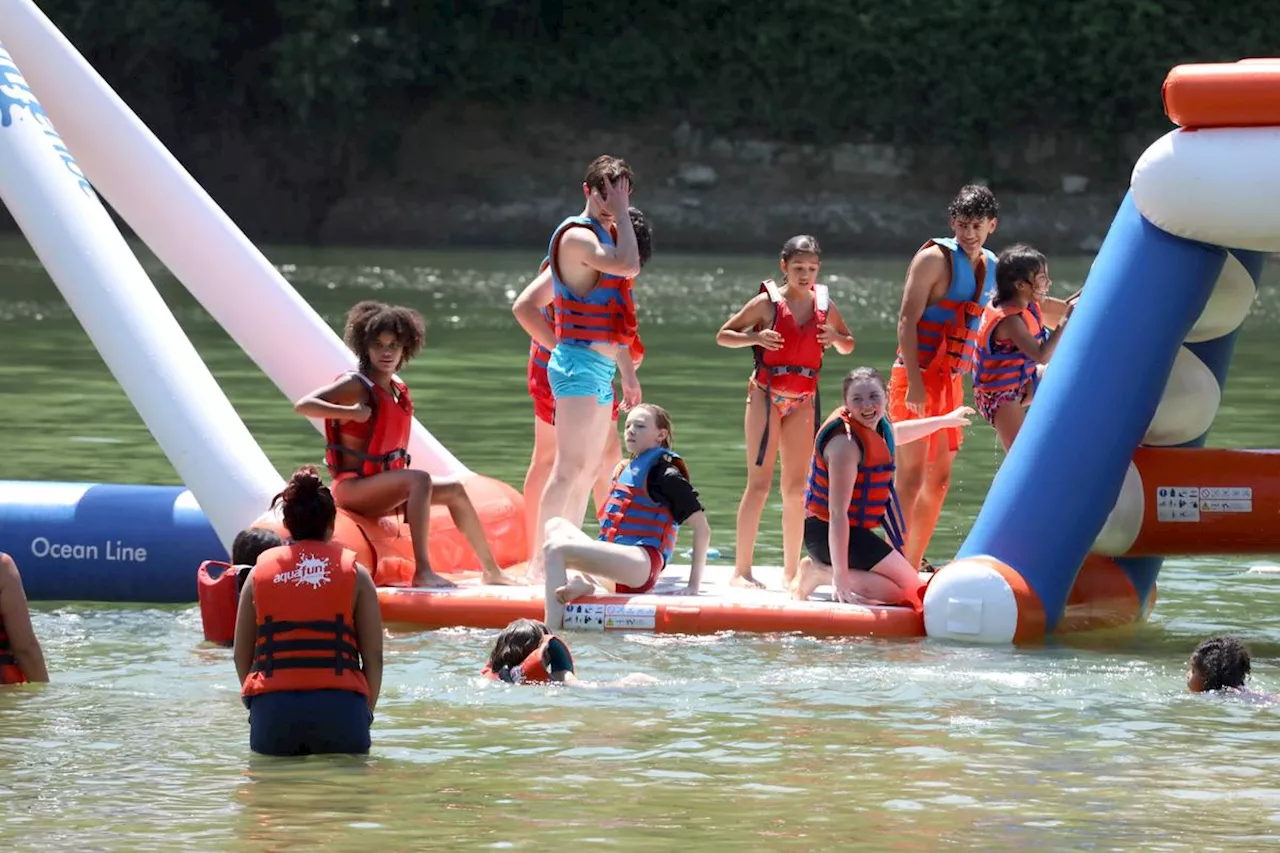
384, 438
947, 334
607, 314
1001, 365
304, 597
630, 516
10, 672
534, 669
874, 501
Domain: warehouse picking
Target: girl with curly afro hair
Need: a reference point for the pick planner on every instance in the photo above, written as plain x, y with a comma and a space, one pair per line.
368, 415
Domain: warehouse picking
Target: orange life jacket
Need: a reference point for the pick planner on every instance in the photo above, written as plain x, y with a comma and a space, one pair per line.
534, 669
385, 436
607, 314
304, 596
10, 672
1006, 367
947, 334
216, 591
796, 366
630, 516
874, 501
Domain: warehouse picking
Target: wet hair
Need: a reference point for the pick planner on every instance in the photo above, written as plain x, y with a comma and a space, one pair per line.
1221, 662
862, 374
801, 244
644, 234
368, 319
307, 505
661, 419
1015, 264
974, 201
251, 542
607, 168
516, 642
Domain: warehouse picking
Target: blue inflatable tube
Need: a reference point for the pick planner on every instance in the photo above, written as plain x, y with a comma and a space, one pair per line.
1059, 482
101, 542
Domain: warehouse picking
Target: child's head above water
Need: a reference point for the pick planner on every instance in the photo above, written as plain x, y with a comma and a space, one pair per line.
251, 542
1219, 663
648, 426
383, 337
516, 642
865, 395
1022, 276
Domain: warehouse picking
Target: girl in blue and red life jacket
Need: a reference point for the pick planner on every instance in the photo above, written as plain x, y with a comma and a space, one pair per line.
21, 658
650, 498
788, 328
1014, 339
308, 644
852, 467
534, 310
526, 652
368, 416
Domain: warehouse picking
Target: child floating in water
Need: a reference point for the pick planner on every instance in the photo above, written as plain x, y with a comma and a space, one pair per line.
526, 652
1221, 664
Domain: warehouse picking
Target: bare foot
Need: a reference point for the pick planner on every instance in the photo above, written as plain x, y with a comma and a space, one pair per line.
428, 578
808, 578
575, 588
746, 581
495, 577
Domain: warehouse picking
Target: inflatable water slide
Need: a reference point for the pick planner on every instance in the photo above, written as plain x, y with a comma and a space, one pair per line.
1108, 475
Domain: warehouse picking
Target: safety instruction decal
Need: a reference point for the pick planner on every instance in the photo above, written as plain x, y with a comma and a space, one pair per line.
1226, 499
610, 617
1178, 503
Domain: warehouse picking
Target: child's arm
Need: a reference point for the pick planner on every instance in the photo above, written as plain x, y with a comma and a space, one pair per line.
368, 619
909, 431
740, 329
341, 400
528, 306
630, 382
246, 633
582, 246
835, 333
673, 490
15, 615
1016, 329
701, 544
843, 460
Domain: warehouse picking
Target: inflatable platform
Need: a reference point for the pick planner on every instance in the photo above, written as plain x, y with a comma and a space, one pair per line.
1108, 475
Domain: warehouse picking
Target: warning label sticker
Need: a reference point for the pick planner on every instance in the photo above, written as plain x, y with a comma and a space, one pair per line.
1226, 499
610, 617
1178, 503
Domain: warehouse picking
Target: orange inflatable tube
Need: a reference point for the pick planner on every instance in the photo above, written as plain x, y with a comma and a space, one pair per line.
386, 548
1235, 94
1208, 501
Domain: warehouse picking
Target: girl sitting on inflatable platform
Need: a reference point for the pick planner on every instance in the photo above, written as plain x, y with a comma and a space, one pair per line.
526, 652
853, 467
1014, 339
368, 416
650, 498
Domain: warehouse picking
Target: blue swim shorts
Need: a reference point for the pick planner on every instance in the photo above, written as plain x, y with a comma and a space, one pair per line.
577, 371
309, 722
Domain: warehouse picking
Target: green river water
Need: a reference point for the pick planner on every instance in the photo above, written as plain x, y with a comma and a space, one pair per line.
748, 743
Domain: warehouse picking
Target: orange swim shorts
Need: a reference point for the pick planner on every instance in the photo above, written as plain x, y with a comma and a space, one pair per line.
943, 394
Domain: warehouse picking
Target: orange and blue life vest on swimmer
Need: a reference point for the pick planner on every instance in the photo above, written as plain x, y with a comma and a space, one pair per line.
947, 334
10, 672
607, 314
794, 368
1008, 367
630, 516
384, 437
304, 595
874, 501
534, 669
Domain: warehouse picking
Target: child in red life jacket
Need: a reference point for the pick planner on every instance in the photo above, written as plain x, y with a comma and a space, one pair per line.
526, 652
534, 310
368, 416
851, 492
21, 658
1014, 339
650, 498
788, 328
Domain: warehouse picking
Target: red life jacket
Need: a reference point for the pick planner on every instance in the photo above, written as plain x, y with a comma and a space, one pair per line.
794, 369
10, 672
630, 516
384, 437
874, 501
1000, 364
534, 669
217, 591
947, 334
304, 596
607, 314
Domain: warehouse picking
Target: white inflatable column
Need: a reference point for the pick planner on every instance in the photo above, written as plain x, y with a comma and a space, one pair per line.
164, 205
126, 319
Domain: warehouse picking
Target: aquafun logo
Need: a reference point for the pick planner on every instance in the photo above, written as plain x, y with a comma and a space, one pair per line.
15, 95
